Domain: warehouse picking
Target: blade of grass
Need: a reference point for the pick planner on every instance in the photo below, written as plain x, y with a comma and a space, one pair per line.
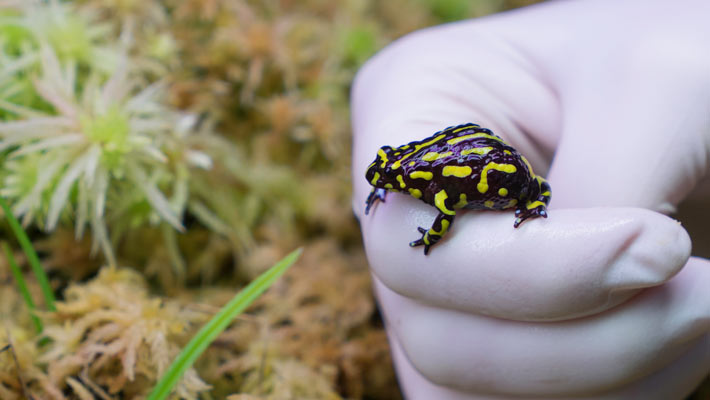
31, 254
22, 285
217, 324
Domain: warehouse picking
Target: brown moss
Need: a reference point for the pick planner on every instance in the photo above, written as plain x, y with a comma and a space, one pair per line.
320, 324
111, 332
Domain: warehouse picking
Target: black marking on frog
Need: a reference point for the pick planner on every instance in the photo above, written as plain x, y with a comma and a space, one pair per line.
463, 166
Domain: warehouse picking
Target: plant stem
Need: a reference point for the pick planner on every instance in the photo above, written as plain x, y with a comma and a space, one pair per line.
217, 324
31, 254
22, 285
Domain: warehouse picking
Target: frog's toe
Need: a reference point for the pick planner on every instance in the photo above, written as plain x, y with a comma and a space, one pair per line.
424, 241
377, 194
524, 213
420, 242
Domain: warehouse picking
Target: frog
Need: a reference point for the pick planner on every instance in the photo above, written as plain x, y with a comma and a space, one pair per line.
461, 167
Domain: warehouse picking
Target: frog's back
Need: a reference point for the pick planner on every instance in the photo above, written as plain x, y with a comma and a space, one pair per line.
459, 161
463, 166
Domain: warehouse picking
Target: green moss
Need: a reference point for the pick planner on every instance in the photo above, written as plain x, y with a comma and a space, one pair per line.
70, 38
13, 36
111, 130
359, 43
449, 10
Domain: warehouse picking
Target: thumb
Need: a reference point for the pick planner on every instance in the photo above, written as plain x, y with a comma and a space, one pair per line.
613, 152
635, 128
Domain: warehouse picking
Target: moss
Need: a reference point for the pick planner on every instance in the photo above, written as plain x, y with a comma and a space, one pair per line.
256, 163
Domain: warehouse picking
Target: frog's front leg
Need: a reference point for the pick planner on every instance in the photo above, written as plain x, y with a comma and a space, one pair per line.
438, 229
375, 195
441, 224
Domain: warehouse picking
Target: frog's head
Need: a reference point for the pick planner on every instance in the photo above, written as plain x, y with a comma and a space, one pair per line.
380, 172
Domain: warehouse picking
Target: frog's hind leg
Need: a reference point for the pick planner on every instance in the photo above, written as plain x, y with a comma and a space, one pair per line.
438, 229
537, 207
375, 195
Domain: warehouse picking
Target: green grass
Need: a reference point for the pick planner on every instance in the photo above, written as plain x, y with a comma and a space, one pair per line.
218, 324
22, 285
31, 254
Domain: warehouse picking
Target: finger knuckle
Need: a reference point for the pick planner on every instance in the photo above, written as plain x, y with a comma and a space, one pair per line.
672, 58
410, 51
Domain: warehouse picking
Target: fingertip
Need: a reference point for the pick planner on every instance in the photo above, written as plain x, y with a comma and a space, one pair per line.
656, 248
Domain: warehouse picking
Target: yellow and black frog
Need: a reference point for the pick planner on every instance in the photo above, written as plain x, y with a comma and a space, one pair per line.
463, 166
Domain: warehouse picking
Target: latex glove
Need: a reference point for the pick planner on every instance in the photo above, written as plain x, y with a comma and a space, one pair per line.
619, 93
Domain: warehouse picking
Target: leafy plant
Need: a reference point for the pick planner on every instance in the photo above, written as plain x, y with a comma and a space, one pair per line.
31, 254
22, 285
217, 324
83, 139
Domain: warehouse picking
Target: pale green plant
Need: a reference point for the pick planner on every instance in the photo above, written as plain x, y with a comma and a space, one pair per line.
74, 33
84, 128
97, 134
217, 324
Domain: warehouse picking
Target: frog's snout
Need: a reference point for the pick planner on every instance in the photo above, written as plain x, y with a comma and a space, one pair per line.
370, 174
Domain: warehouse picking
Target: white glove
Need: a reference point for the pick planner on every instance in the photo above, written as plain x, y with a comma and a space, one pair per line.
601, 299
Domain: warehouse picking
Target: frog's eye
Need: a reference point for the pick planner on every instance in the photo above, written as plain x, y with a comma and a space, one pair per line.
384, 155
389, 172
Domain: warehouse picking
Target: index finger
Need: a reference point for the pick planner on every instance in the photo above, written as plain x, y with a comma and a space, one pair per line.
577, 262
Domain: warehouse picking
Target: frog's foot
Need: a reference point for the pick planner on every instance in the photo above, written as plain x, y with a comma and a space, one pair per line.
375, 195
532, 209
435, 233
537, 207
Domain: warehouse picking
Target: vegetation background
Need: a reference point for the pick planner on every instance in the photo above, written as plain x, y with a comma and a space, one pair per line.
161, 154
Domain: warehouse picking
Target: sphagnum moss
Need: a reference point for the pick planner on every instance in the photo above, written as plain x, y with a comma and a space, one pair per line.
89, 129
111, 332
99, 135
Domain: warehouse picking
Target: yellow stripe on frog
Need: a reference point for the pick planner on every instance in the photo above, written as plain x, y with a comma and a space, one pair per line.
462, 201
444, 227
417, 147
375, 178
473, 136
457, 171
381, 153
433, 156
440, 202
534, 204
483, 183
482, 151
426, 175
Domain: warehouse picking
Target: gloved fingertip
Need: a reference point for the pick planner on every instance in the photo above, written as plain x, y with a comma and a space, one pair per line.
657, 247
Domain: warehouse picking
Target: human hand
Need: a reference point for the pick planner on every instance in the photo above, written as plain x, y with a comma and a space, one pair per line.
601, 299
